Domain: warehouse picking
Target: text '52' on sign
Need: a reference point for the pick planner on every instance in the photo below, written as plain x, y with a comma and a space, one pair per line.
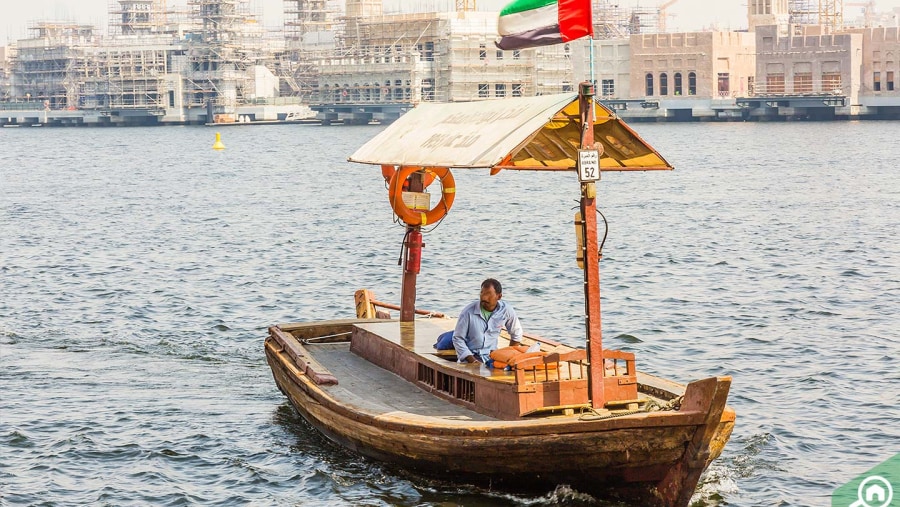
588, 165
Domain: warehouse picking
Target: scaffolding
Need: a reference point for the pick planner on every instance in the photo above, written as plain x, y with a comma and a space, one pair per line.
45, 67
156, 62
128, 75
611, 21
388, 59
134, 17
221, 55
302, 17
828, 13
433, 57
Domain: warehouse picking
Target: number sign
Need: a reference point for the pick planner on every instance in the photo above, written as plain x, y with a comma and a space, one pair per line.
588, 165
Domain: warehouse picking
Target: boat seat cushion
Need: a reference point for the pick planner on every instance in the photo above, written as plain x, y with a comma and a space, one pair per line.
508, 357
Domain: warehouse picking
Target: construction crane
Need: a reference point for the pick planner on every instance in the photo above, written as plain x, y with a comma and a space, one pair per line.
662, 15
868, 10
465, 5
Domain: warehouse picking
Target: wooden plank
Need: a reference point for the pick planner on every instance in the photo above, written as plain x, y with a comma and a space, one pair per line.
378, 390
302, 358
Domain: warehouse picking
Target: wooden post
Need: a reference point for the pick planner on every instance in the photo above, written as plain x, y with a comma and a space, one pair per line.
591, 255
412, 247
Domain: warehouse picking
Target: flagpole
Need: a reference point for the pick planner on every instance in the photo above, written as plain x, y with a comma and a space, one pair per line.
591, 35
593, 82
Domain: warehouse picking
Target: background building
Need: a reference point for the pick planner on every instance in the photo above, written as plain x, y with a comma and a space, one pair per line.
351, 62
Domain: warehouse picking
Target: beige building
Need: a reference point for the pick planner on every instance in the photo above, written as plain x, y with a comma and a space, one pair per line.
803, 60
717, 65
767, 12
880, 86
611, 70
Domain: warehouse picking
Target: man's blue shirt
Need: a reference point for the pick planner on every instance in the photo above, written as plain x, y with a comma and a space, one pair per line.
475, 336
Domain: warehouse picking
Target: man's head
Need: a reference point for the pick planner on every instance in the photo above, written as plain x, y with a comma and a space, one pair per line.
491, 292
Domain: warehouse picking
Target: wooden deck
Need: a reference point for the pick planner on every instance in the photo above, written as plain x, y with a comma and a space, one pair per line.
376, 390
420, 337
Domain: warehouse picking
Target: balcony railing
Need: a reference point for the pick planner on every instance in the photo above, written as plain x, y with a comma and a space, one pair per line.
815, 88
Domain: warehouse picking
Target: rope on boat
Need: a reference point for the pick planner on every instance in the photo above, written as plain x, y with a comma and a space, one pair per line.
651, 406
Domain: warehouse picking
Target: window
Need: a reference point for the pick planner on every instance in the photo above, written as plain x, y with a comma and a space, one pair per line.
876, 84
692, 83
831, 82
483, 90
663, 84
649, 86
516, 54
517, 90
890, 80
607, 87
499, 54
500, 90
803, 83
482, 52
678, 83
774, 83
724, 84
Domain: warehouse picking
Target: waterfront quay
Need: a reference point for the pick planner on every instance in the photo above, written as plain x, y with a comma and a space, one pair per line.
357, 64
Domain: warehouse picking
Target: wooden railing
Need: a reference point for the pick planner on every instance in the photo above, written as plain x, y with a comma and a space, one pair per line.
552, 367
367, 307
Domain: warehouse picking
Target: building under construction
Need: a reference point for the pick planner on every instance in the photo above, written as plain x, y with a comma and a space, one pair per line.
211, 62
355, 64
350, 61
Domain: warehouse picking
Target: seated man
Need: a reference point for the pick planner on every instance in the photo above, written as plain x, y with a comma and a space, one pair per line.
479, 324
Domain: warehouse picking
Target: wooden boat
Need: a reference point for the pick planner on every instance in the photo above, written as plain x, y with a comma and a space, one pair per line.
578, 416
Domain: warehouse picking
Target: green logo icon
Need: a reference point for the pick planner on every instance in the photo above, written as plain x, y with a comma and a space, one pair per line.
875, 488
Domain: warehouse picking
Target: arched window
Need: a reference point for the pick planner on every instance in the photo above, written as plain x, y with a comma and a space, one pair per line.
692, 83
678, 83
663, 84
649, 89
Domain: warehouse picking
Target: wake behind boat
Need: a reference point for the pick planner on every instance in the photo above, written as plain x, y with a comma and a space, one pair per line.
579, 416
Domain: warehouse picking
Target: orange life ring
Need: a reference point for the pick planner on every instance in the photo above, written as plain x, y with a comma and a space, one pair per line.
412, 217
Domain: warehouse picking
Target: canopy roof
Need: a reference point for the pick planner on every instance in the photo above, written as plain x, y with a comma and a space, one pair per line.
536, 133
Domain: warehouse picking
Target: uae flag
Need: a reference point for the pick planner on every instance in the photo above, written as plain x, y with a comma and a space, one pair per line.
532, 23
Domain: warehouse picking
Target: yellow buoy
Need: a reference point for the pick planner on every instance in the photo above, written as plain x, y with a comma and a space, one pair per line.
218, 144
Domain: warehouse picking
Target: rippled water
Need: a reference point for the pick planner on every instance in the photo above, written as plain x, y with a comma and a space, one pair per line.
139, 270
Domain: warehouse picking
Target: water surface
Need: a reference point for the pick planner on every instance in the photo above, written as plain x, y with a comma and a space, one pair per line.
139, 270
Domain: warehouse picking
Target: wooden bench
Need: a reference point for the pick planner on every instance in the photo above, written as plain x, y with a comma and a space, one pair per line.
420, 336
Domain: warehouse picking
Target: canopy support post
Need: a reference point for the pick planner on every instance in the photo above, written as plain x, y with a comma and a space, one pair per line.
591, 255
412, 261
